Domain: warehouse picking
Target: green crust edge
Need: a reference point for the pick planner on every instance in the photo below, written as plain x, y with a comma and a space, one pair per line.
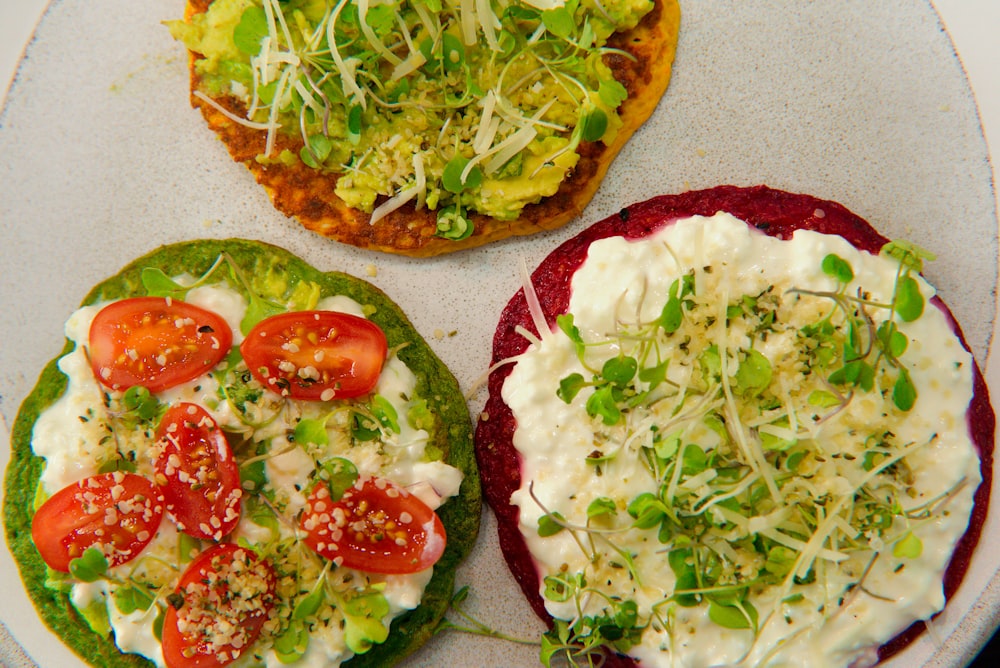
460, 515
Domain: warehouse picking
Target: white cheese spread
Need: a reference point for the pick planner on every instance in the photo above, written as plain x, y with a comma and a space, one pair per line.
72, 435
719, 455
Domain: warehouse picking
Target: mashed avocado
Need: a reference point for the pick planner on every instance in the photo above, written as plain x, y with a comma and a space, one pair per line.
453, 105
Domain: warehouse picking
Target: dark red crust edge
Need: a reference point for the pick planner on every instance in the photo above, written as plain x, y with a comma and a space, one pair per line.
773, 212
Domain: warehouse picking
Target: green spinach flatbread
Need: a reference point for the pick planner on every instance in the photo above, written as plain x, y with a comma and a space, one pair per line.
272, 274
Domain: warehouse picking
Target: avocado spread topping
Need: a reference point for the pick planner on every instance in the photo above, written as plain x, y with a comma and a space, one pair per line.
452, 105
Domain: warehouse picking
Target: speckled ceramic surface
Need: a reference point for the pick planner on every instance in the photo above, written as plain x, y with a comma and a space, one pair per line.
102, 159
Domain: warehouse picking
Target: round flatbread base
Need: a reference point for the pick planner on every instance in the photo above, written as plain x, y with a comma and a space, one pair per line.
773, 212
453, 436
308, 195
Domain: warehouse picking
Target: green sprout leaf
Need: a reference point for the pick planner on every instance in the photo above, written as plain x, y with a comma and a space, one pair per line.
364, 427
686, 577
309, 431
770, 442
140, 401
857, 372
130, 598
619, 370
909, 301
354, 124
158, 284
309, 605
672, 315
908, 547
340, 474
780, 560
453, 224
694, 460
566, 324
385, 413
647, 510
838, 268
257, 310
550, 524
451, 177
89, 566
559, 22
453, 52
117, 464
666, 448
251, 29
561, 588
891, 340
654, 375
711, 364
595, 124
381, 18
600, 506
823, 399
904, 394
570, 386
261, 514
908, 254
754, 373
602, 403
158, 623
292, 643
363, 621
740, 616
318, 150
611, 92
552, 645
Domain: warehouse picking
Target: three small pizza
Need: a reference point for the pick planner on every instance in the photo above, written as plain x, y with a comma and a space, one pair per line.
427, 126
239, 457
734, 427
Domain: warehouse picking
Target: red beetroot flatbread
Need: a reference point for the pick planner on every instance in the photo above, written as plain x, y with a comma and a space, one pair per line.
773, 212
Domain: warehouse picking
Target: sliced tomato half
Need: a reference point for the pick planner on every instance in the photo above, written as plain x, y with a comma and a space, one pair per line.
155, 342
197, 472
119, 513
316, 355
225, 595
377, 527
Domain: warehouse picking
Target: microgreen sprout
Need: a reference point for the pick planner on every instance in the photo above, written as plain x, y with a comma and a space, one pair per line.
866, 348
473, 626
340, 474
158, 284
89, 566
453, 223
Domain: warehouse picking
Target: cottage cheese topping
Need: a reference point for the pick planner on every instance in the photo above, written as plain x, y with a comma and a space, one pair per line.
73, 436
711, 467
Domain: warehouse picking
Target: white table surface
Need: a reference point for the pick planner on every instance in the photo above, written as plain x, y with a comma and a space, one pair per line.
972, 24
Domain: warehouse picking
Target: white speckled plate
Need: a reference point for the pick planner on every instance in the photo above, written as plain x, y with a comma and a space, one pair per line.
102, 159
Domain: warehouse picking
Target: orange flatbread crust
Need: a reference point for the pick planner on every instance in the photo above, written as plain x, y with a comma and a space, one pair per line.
307, 194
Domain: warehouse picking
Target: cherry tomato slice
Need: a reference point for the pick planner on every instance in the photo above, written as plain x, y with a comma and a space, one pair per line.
316, 354
376, 527
197, 472
155, 342
227, 595
119, 513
